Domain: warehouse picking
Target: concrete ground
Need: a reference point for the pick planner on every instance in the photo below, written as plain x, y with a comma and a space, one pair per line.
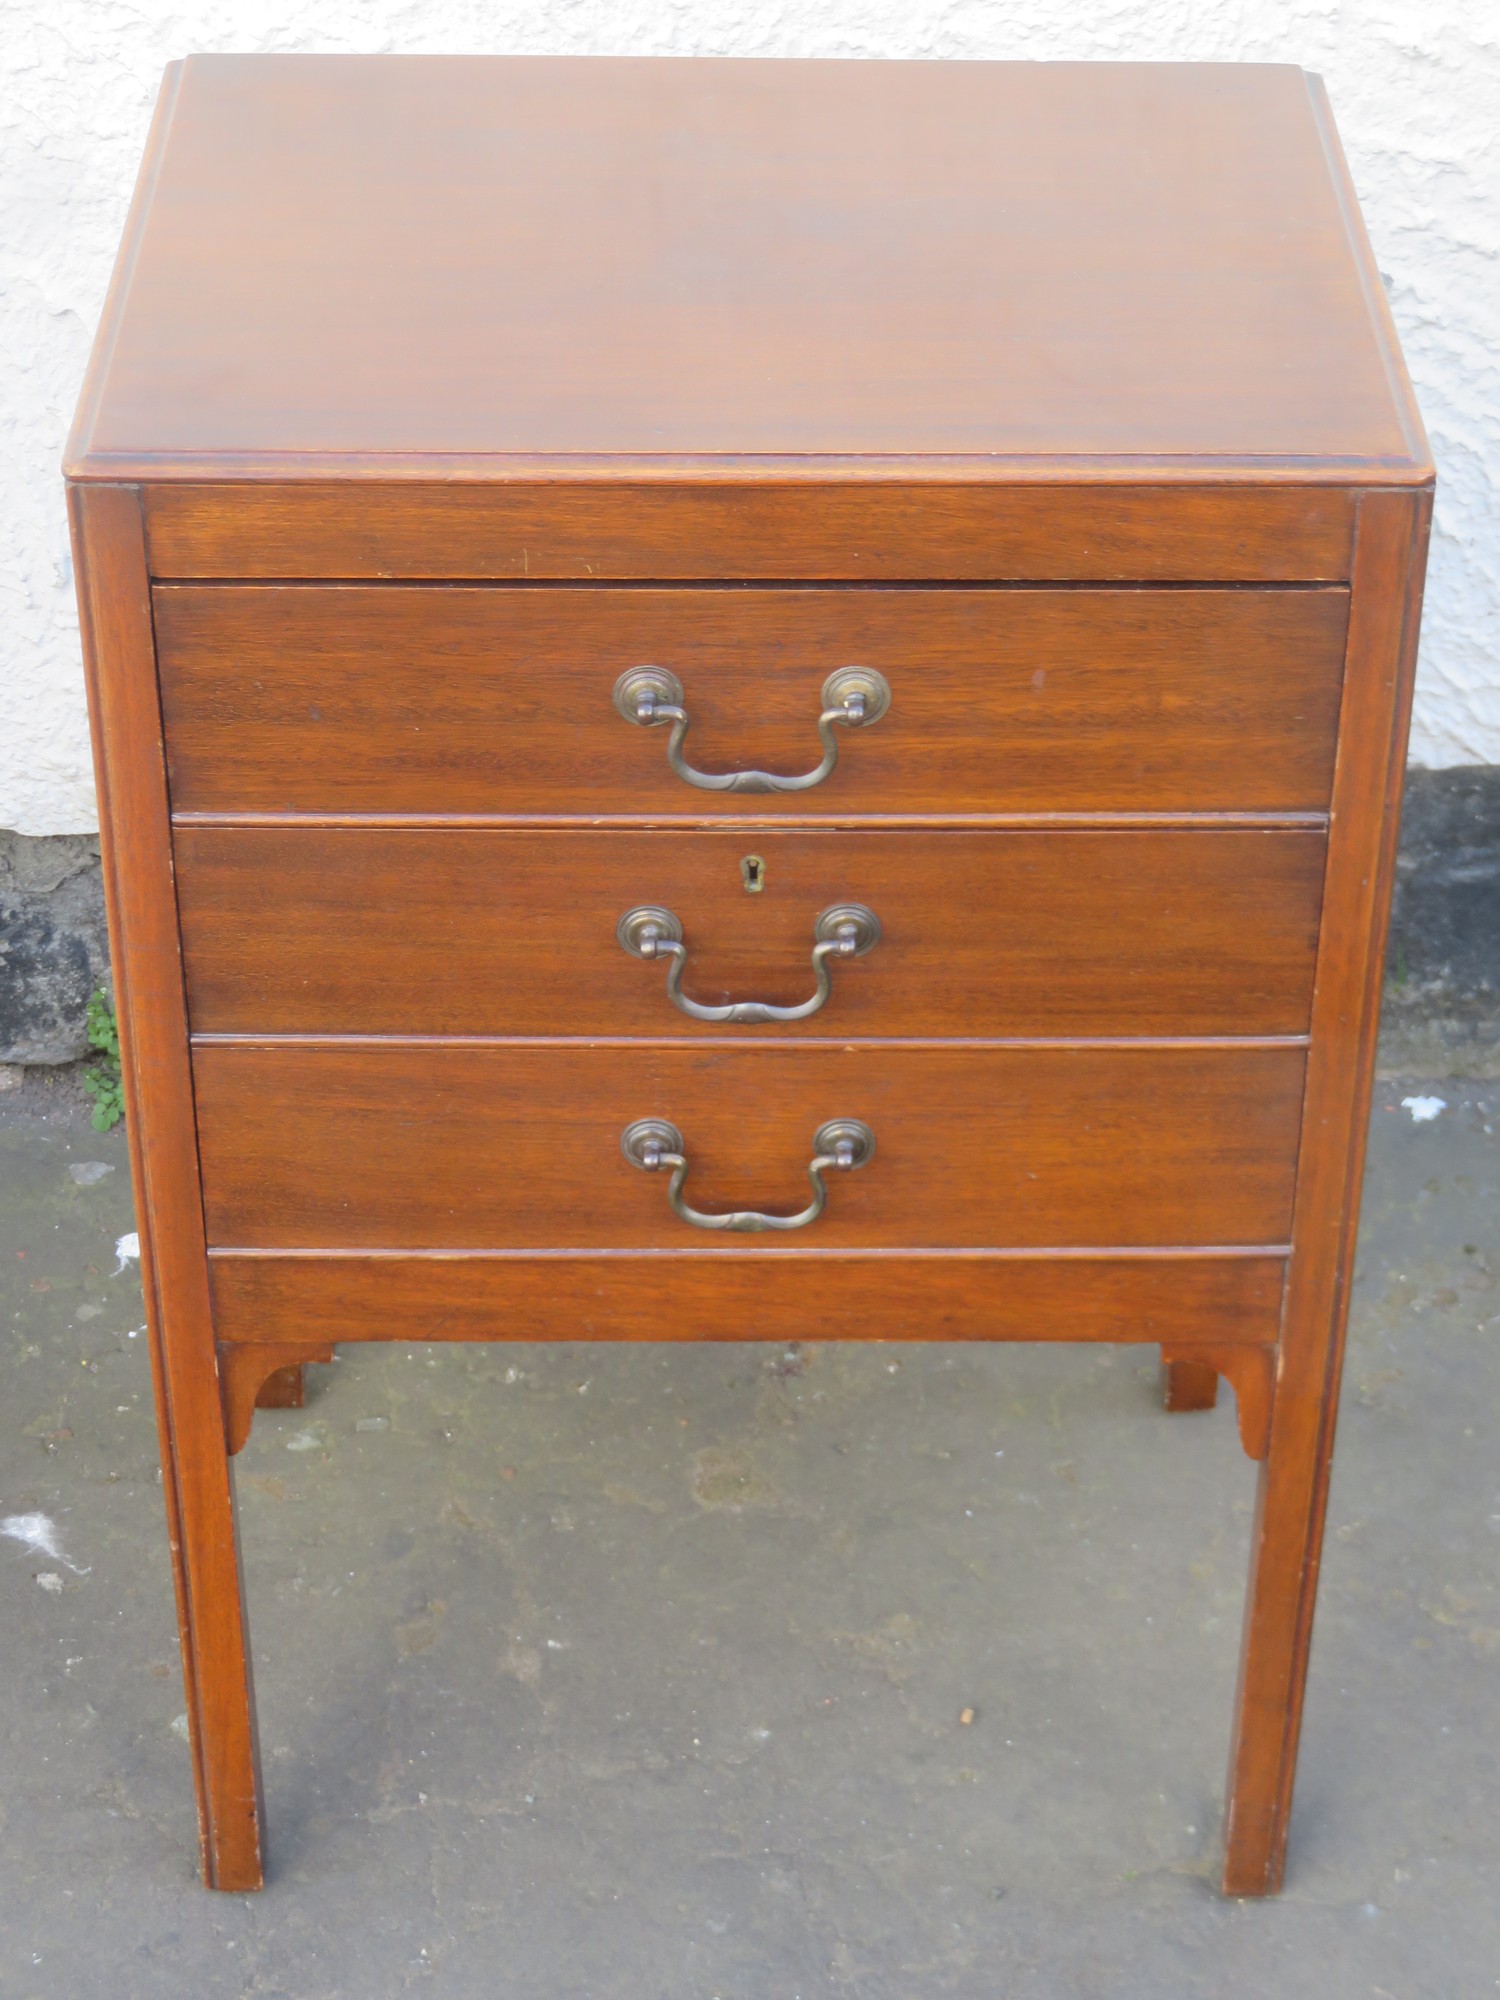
643, 1673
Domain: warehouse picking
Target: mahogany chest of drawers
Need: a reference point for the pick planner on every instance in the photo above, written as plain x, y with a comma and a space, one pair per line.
747, 700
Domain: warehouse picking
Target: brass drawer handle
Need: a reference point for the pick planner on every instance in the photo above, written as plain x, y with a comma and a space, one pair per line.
652, 1143
855, 696
847, 930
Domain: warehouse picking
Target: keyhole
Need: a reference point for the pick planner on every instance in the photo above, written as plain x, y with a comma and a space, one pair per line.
753, 874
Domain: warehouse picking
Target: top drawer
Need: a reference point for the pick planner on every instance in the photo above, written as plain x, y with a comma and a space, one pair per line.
498, 699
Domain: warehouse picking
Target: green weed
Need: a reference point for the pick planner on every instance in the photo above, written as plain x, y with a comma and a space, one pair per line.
102, 1077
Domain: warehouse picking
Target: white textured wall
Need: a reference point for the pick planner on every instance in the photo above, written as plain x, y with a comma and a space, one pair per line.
1415, 87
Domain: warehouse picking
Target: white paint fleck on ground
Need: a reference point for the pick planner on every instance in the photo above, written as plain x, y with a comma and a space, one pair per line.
1423, 1109
127, 1251
37, 1534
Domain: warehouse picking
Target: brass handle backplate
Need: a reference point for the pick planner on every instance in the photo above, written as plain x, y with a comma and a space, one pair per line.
847, 930
854, 696
653, 1143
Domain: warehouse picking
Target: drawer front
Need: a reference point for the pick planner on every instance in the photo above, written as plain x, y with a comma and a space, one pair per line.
496, 700
370, 930
431, 1146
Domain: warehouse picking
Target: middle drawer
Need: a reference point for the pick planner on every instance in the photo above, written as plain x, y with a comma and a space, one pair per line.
365, 930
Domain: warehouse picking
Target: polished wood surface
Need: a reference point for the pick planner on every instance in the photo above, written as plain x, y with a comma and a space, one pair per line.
460, 256
1069, 397
1250, 1372
262, 1303
1188, 1384
1292, 1498
267, 1376
285, 1388
397, 699
896, 526
135, 835
370, 930
407, 1146
735, 1293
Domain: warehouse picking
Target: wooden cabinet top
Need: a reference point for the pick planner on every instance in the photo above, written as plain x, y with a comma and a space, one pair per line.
535, 267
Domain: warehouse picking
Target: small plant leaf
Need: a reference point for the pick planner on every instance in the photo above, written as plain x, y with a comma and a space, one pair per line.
102, 1078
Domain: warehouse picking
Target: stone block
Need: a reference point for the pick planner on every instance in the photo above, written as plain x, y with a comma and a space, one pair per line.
54, 949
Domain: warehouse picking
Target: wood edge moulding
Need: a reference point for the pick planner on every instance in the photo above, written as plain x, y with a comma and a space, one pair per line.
1242, 471
245, 1039
544, 823
1377, 304
1156, 1253
78, 463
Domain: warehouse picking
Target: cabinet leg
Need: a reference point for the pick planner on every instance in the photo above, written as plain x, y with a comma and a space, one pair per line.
1385, 593
204, 1530
1285, 1548
156, 1071
262, 1375
1188, 1385
283, 1390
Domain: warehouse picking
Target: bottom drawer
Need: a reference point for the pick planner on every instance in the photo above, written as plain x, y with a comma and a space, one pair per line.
426, 1146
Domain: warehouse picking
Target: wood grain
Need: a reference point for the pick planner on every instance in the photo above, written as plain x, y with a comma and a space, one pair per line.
1192, 1384
1292, 1499
430, 1146
759, 524
471, 255
1188, 1384
1079, 381
738, 1294
409, 699
136, 839
373, 931
266, 1376
285, 1388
